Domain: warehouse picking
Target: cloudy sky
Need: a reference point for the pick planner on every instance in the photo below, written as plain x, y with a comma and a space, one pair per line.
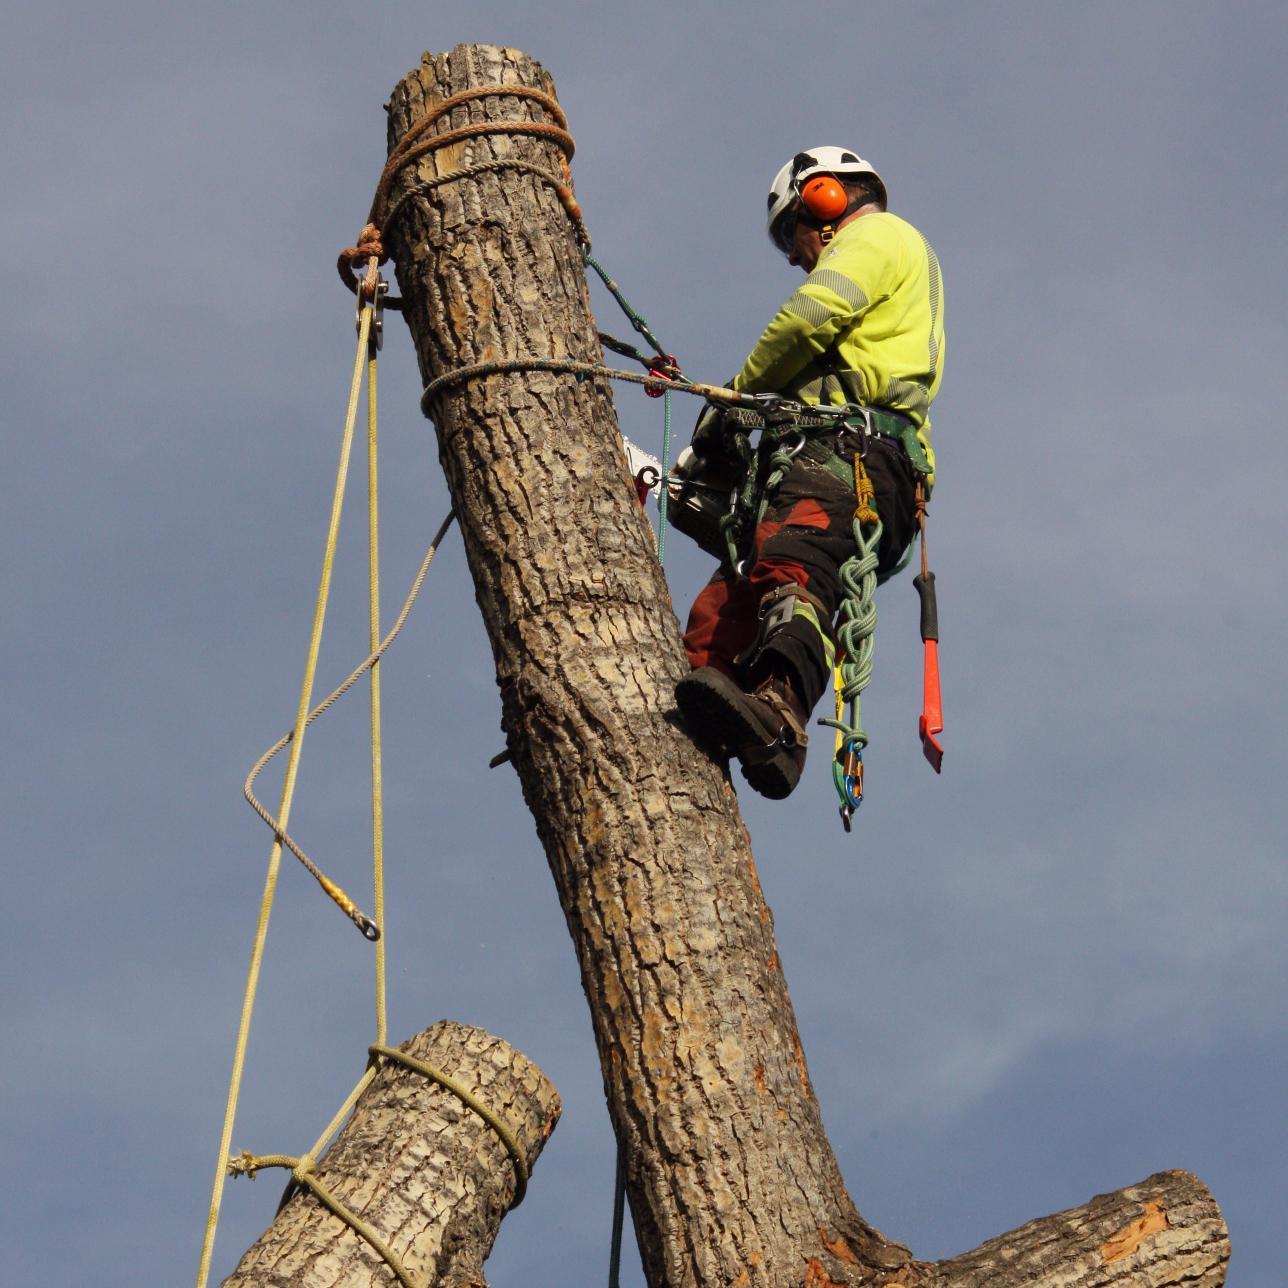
1053, 971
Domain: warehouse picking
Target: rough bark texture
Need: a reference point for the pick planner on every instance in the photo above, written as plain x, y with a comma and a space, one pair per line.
730, 1175
1166, 1230
418, 1165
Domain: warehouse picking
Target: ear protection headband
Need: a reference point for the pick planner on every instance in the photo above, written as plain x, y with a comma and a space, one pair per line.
825, 199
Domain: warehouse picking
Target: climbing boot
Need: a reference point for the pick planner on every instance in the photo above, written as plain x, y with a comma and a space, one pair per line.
765, 729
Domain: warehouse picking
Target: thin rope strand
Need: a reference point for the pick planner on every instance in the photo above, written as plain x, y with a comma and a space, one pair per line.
330, 700
377, 775
284, 808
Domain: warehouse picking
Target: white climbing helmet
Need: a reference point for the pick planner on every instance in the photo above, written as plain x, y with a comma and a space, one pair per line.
785, 190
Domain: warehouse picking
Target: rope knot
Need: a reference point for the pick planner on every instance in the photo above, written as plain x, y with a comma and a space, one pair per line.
369, 251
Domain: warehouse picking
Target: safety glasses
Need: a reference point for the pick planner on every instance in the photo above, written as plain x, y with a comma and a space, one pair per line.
785, 229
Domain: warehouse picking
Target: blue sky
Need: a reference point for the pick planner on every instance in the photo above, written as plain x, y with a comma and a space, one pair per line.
1049, 973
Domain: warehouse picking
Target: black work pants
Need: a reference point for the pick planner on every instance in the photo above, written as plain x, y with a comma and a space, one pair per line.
805, 536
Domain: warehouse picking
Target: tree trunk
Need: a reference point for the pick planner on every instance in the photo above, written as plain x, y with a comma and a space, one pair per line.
419, 1166
730, 1175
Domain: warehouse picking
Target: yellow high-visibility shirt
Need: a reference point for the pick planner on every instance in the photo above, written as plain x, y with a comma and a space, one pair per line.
867, 326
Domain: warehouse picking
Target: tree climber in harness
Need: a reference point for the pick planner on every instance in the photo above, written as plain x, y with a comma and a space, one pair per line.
865, 329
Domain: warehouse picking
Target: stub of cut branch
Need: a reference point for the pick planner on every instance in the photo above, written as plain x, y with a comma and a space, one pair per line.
418, 1168
1166, 1232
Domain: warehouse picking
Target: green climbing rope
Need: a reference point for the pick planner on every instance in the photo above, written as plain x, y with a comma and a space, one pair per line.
857, 623
637, 320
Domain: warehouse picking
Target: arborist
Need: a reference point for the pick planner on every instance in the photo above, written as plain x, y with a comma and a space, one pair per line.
865, 330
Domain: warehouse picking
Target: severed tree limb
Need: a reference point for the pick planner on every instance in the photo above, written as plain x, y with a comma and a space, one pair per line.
424, 1171
731, 1178
1165, 1231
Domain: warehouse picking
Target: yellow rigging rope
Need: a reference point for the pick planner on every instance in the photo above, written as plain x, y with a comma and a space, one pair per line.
368, 320
377, 782
284, 808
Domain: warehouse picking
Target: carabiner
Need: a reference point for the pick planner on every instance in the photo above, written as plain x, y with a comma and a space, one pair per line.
847, 776
792, 443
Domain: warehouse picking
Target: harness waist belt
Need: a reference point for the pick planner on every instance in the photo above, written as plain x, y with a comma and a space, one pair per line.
835, 448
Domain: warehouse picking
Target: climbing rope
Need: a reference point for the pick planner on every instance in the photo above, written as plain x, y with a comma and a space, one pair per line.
619, 1214
367, 664
373, 620
857, 622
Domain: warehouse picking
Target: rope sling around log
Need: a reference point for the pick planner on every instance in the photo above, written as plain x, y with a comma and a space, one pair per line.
303, 1168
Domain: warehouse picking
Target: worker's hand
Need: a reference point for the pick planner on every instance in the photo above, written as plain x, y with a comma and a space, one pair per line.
710, 434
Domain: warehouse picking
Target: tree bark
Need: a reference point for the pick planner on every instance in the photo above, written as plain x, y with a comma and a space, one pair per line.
418, 1165
730, 1175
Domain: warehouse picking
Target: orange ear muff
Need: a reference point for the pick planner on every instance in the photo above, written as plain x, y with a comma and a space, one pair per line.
824, 197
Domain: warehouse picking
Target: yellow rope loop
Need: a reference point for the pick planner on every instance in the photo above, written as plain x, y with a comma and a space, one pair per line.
498, 1125
864, 493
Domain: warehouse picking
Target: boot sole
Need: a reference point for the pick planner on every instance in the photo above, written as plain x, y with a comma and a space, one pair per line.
713, 707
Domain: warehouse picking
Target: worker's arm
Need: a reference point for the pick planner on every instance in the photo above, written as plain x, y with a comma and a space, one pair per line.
849, 278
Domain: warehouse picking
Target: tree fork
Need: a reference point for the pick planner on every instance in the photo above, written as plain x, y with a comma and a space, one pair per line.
418, 1165
730, 1175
